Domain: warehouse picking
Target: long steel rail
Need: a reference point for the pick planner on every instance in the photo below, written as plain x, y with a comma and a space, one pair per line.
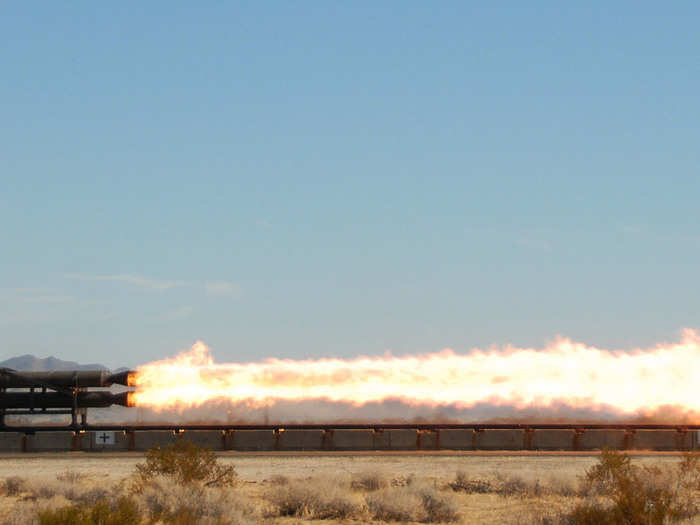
354, 426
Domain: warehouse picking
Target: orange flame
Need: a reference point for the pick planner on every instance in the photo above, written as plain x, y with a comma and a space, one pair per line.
130, 399
564, 372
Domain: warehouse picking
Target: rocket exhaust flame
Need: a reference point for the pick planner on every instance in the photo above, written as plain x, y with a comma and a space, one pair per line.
130, 399
564, 372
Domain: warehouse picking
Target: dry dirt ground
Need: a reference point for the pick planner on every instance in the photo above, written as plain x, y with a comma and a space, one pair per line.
256, 467
259, 472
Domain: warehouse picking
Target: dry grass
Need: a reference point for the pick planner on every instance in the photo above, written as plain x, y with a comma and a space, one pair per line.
395, 505
71, 476
14, 485
166, 502
513, 485
368, 481
364, 497
496, 495
313, 499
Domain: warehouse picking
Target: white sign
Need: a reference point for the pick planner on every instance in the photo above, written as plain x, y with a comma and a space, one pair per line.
104, 438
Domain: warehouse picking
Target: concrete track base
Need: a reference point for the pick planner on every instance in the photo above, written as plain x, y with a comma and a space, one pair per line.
211, 439
12, 442
457, 439
251, 440
329, 439
553, 440
661, 440
146, 440
600, 439
500, 440
301, 440
52, 441
353, 440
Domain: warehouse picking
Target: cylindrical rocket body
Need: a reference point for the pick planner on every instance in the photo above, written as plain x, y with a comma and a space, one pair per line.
39, 400
61, 379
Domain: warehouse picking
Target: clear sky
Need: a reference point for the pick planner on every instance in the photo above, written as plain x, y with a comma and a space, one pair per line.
306, 179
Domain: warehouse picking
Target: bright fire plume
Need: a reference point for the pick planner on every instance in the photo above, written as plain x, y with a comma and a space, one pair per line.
564, 372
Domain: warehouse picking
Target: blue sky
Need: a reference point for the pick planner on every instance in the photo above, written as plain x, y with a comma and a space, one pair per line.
323, 179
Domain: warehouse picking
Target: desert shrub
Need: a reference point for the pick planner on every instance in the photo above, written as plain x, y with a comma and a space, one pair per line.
185, 463
89, 496
506, 486
14, 485
510, 486
71, 476
604, 478
562, 487
402, 481
687, 485
46, 488
167, 502
21, 513
463, 483
278, 480
123, 511
395, 505
621, 493
164, 501
368, 482
312, 500
439, 508
423, 504
537, 516
71, 515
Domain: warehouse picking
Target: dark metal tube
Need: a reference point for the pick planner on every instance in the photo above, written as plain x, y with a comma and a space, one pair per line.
41, 400
62, 379
125, 378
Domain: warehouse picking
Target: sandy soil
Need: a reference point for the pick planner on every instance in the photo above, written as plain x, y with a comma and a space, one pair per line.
260, 466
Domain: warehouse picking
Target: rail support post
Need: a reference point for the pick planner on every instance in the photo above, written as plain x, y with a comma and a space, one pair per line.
682, 441
2, 410
327, 442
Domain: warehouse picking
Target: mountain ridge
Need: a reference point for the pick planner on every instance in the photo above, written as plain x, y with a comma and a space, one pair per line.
31, 363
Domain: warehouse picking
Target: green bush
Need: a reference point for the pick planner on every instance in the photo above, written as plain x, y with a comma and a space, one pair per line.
184, 463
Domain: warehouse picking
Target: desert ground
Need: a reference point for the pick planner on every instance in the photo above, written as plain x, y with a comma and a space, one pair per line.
256, 467
326, 488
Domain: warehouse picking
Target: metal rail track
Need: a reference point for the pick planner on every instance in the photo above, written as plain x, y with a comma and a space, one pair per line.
354, 426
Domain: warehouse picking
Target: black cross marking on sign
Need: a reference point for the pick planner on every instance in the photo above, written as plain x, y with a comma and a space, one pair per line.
104, 437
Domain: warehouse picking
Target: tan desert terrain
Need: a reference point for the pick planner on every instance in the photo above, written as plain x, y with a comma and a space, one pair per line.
544, 484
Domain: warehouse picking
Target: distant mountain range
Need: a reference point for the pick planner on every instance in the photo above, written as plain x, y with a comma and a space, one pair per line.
32, 363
